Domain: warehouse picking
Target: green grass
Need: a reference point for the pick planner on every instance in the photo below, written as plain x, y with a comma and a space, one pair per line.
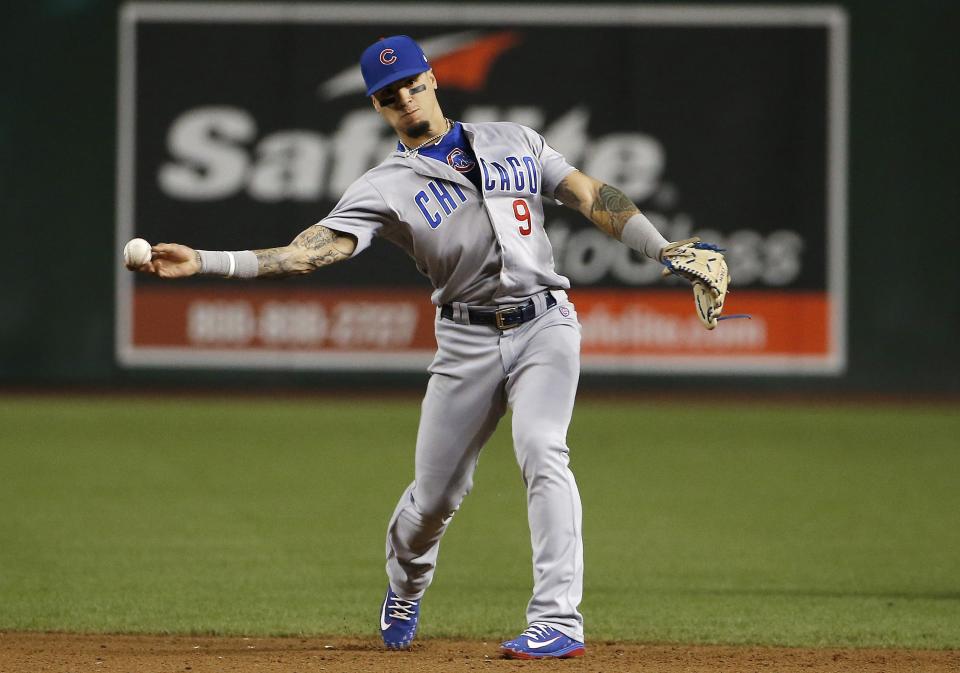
708, 524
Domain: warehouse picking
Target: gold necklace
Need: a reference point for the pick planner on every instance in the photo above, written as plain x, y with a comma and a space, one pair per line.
437, 138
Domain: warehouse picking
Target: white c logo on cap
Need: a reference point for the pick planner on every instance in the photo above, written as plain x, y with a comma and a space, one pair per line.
387, 57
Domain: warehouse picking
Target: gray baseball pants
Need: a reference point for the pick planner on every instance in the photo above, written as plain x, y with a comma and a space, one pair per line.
475, 374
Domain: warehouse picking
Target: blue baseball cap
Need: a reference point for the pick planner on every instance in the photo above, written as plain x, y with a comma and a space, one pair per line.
391, 59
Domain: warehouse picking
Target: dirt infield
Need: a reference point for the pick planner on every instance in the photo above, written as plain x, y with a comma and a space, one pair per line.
68, 653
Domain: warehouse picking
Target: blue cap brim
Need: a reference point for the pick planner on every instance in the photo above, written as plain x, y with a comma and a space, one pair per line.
394, 77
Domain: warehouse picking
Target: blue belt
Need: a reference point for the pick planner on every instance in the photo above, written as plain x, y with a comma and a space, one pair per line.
507, 317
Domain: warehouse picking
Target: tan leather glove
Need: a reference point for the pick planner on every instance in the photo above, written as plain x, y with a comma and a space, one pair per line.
704, 266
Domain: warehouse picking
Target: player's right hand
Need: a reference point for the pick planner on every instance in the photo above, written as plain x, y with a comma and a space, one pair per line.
172, 260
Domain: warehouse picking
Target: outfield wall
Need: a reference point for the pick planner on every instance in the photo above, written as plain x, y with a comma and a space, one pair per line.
819, 195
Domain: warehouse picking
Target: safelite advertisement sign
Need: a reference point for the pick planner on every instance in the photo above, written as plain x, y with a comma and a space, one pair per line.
240, 125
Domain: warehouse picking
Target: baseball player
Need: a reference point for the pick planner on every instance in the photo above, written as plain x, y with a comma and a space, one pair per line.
465, 201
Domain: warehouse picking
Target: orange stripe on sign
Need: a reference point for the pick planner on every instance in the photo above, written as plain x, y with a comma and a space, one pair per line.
646, 323
664, 322
253, 319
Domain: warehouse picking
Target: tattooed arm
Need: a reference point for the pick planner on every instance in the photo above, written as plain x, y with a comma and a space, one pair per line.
315, 247
611, 211
607, 207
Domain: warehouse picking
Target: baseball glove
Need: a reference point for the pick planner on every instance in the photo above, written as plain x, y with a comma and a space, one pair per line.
704, 266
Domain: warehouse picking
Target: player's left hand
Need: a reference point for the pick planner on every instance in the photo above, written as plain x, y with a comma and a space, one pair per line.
703, 265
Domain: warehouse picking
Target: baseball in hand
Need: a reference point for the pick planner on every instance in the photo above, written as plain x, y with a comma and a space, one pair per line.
136, 253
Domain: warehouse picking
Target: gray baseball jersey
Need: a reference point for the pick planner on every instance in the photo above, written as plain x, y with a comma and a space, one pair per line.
484, 248
488, 249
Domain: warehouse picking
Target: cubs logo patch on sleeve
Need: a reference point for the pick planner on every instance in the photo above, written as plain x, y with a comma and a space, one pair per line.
459, 161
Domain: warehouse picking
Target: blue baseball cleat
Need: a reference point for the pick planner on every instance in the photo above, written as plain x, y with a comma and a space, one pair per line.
541, 641
398, 621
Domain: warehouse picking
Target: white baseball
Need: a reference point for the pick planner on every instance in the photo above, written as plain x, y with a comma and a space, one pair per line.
136, 253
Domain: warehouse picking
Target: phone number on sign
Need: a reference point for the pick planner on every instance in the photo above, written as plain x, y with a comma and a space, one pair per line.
300, 324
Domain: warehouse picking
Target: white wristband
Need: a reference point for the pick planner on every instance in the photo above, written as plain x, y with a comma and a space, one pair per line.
640, 234
234, 264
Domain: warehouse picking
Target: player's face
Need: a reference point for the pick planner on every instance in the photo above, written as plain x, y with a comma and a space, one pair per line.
409, 106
